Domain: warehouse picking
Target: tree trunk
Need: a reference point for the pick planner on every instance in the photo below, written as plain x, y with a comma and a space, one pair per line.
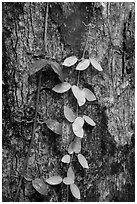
104, 31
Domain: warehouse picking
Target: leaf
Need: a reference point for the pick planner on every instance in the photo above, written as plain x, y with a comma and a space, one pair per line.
89, 120
70, 148
70, 173
55, 126
89, 95
78, 123
69, 114
62, 87
54, 180
82, 160
81, 103
40, 186
61, 77
79, 133
79, 95
84, 64
68, 180
75, 191
77, 145
68, 62
95, 64
66, 159
37, 66
76, 91
77, 127
57, 69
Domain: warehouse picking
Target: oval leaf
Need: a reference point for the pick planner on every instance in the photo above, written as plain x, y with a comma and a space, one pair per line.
95, 64
81, 103
77, 127
55, 126
77, 145
70, 173
89, 120
70, 148
54, 180
68, 62
78, 123
89, 95
37, 66
57, 69
79, 133
69, 114
84, 64
75, 191
77, 92
68, 180
79, 95
62, 87
66, 159
40, 186
82, 160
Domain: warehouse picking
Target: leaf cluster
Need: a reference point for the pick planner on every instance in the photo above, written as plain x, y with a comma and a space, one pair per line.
76, 121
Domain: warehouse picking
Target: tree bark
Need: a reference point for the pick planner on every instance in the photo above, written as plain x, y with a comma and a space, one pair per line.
109, 146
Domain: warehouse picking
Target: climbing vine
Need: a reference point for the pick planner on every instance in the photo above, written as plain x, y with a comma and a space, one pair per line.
64, 120
75, 119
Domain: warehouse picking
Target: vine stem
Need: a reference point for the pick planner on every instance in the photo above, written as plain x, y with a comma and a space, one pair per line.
77, 85
77, 105
32, 139
70, 164
36, 110
82, 58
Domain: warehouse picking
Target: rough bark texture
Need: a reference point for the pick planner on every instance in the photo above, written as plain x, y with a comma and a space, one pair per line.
109, 146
